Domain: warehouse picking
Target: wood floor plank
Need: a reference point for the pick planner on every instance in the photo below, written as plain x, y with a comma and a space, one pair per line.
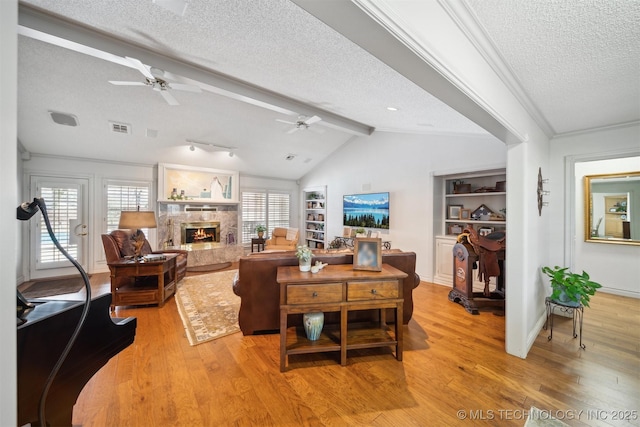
453, 361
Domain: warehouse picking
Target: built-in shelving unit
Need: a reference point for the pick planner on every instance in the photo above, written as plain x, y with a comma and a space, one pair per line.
458, 201
314, 217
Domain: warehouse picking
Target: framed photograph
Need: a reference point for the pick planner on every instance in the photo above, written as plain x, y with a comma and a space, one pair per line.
346, 232
455, 229
484, 231
454, 211
465, 214
367, 254
375, 234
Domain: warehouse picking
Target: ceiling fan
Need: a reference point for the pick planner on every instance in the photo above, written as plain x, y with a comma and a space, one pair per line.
303, 123
156, 82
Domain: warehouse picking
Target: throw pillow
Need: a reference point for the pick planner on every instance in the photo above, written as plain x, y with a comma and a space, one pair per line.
291, 233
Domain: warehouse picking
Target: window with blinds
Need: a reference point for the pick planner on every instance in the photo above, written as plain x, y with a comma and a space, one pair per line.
62, 209
125, 196
269, 208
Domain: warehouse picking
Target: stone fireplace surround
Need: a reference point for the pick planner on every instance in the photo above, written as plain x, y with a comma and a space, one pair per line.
171, 215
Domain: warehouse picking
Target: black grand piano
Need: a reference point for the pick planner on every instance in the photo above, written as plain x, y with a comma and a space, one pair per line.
42, 338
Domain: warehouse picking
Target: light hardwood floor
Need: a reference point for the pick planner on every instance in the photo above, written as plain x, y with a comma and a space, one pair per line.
454, 367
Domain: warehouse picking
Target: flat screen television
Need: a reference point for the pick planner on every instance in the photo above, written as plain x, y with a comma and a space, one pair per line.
366, 210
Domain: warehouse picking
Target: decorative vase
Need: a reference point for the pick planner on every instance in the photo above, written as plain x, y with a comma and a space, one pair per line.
305, 265
260, 234
564, 299
313, 323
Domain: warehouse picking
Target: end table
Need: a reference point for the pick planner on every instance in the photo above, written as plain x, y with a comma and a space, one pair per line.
576, 311
257, 241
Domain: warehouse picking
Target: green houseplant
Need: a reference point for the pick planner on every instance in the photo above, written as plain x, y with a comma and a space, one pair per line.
260, 229
570, 287
303, 253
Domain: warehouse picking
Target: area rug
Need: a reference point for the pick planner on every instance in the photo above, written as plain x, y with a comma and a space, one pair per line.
48, 287
208, 307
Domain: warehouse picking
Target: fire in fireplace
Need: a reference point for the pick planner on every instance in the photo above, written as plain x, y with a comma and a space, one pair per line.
200, 232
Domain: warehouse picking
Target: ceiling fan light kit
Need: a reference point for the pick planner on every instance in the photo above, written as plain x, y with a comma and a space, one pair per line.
303, 123
156, 83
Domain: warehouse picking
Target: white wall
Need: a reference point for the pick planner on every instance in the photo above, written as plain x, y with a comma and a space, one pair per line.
403, 165
610, 265
99, 171
9, 235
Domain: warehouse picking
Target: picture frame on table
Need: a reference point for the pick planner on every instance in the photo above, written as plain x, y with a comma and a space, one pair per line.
367, 254
346, 232
485, 230
454, 211
454, 229
465, 214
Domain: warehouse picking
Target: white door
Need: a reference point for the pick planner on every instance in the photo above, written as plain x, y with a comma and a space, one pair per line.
65, 200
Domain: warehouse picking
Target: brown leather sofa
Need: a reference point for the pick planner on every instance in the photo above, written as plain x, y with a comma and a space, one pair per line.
256, 285
118, 244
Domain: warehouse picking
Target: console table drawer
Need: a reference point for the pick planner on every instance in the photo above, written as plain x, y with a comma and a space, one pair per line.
305, 294
372, 290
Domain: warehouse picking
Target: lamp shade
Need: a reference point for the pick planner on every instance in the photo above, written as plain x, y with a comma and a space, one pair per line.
134, 220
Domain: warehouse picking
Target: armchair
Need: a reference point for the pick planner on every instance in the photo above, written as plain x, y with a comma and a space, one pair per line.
279, 241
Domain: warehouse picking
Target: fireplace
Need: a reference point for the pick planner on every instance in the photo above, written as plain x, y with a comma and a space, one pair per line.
199, 232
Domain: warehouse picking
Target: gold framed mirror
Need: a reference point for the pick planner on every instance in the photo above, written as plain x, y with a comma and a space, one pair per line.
612, 208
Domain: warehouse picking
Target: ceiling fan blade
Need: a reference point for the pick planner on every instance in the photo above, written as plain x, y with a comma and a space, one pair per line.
141, 67
186, 88
119, 83
313, 119
295, 129
284, 121
169, 98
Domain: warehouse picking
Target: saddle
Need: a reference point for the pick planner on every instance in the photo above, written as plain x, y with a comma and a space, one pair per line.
487, 248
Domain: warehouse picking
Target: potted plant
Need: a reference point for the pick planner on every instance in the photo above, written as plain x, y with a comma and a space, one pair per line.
570, 288
260, 229
303, 253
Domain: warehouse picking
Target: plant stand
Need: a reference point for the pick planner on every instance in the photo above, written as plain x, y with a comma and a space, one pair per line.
576, 312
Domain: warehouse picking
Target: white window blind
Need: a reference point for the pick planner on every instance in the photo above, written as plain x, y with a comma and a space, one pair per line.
125, 196
62, 208
269, 208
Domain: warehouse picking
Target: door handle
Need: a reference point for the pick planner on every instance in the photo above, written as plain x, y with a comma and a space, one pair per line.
81, 226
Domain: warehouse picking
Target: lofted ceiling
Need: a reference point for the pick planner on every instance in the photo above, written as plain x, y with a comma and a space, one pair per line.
260, 61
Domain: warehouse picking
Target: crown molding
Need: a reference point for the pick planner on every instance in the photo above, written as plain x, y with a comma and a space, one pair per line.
468, 22
395, 25
597, 129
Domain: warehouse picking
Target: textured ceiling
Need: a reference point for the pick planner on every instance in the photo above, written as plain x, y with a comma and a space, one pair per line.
579, 61
576, 61
270, 44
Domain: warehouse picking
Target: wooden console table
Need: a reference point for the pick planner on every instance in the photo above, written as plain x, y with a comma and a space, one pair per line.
155, 281
341, 289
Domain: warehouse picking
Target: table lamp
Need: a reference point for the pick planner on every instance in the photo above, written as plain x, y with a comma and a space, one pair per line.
135, 220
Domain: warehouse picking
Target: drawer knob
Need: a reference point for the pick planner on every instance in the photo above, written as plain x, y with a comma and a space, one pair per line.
373, 291
315, 294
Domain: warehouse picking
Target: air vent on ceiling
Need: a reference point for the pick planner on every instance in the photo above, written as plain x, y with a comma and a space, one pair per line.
120, 127
63, 118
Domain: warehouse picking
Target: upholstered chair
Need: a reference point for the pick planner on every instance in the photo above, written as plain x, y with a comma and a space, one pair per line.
282, 239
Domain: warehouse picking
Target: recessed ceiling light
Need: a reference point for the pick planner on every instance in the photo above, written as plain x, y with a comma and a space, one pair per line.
392, 109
